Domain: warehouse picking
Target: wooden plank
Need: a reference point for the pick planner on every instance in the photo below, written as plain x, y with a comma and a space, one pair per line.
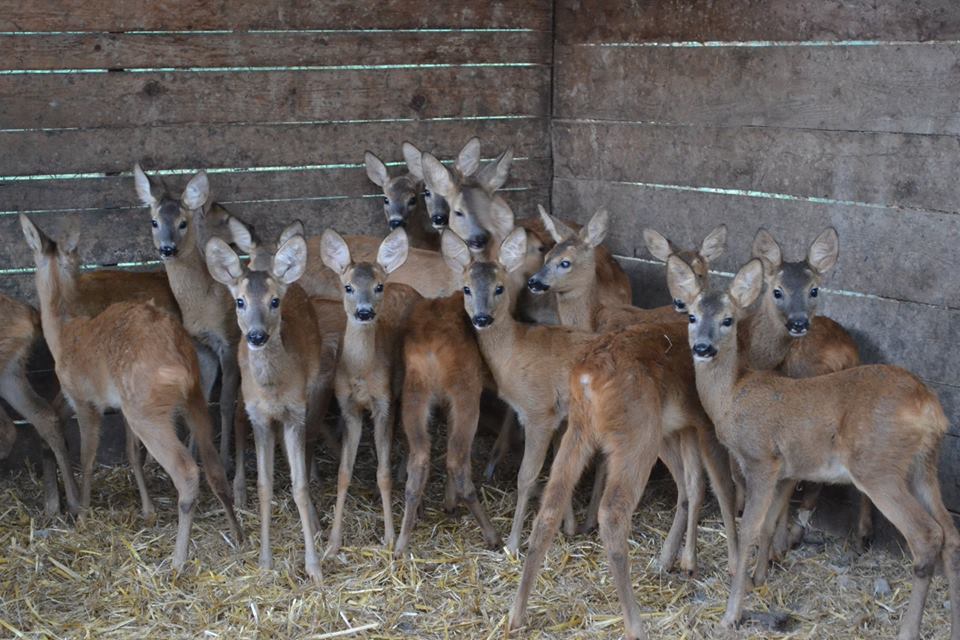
127, 15
250, 183
123, 235
125, 50
899, 254
949, 475
901, 170
130, 99
114, 149
907, 89
738, 20
19, 286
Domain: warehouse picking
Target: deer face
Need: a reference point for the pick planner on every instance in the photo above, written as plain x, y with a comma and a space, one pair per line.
485, 284
172, 221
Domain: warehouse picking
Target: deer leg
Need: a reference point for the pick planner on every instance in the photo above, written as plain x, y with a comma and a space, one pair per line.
629, 470
501, 447
229, 390
241, 429
596, 493
574, 454
25, 401
569, 519
781, 504
89, 420
415, 412
864, 522
538, 436
136, 465
351, 441
160, 438
670, 454
382, 436
461, 430
294, 441
717, 461
761, 485
696, 489
265, 442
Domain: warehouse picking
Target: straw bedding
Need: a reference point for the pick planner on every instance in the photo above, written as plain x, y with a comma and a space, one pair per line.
109, 576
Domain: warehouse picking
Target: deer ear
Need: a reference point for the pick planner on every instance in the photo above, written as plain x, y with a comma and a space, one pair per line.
376, 170
596, 230
747, 284
241, 235
714, 244
196, 192
493, 175
334, 251
468, 160
455, 251
437, 177
823, 253
501, 217
393, 250
513, 250
144, 187
557, 229
36, 239
658, 244
767, 249
412, 156
222, 262
295, 228
681, 280
290, 261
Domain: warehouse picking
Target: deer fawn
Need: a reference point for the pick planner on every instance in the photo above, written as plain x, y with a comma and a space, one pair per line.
466, 164
285, 379
139, 359
19, 332
530, 363
875, 426
179, 233
402, 203
370, 373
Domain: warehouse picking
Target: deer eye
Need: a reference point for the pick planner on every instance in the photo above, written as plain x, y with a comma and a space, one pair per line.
680, 304
240, 303
426, 193
275, 303
378, 288
564, 264
348, 288
727, 322
692, 318
466, 291
154, 224
182, 225
459, 214
386, 201
778, 293
499, 290
814, 292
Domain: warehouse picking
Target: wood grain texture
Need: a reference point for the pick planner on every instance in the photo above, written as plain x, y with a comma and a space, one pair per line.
115, 149
132, 99
902, 170
184, 50
126, 15
892, 253
733, 20
905, 89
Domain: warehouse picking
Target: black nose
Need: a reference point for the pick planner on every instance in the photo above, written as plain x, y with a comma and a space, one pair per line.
477, 242
798, 325
679, 305
168, 250
257, 338
439, 220
482, 320
537, 286
397, 222
365, 314
704, 350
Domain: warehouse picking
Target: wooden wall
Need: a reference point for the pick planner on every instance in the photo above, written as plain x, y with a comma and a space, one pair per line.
789, 114
277, 99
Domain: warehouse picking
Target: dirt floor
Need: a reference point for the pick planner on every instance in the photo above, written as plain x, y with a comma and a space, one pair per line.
110, 576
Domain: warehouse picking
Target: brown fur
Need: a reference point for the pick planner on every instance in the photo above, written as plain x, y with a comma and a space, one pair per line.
138, 359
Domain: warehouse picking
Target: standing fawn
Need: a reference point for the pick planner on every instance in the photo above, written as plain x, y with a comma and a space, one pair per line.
530, 363
285, 374
402, 203
875, 426
370, 372
136, 358
179, 233
19, 332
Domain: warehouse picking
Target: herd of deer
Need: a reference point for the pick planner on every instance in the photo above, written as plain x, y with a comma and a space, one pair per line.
743, 380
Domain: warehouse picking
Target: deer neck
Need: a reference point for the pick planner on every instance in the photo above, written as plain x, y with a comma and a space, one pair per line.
716, 382
499, 344
54, 295
763, 338
192, 286
578, 307
268, 366
359, 347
